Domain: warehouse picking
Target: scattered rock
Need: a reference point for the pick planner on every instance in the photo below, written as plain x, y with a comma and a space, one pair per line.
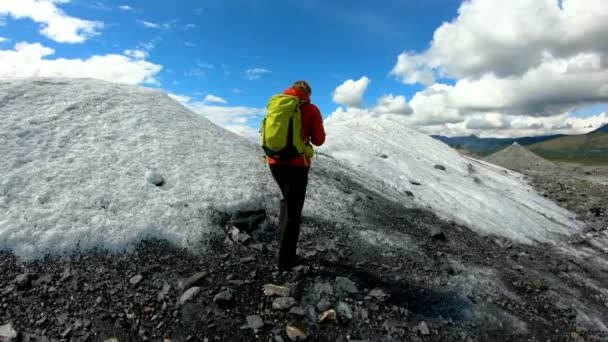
197, 279
24, 281
189, 295
295, 333
440, 167
249, 221
275, 290
323, 304
224, 298
156, 179
163, 292
328, 316
255, 322
378, 294
136, 279
322, 288
67, 274
239, 237
437, 233
297, 311
422, 328
344, 311
284, 303
383, 156
415, 182
7, 333
346, 285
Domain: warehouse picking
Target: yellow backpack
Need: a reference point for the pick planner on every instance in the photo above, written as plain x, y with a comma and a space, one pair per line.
280, 130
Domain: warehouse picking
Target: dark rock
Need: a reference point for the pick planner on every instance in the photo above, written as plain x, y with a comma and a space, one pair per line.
24, 281
383, 156
224, 298
344, 311
324, 304
346, 285
197, 279
249, 221
163, 292
275, 290
283, 303
440, 167
415, 183
67, 274
437, 233
297, 311
255, 322
156, 179
321, 289
422, 328
409, 193
378, 294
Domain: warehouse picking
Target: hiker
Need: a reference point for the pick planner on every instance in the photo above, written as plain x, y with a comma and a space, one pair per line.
289, 156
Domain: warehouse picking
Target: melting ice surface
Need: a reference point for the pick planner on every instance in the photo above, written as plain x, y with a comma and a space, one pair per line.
76, 155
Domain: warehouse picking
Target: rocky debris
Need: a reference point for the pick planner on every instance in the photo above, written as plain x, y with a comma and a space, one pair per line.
383, 156
7, 333
275, 290
136, 279
295, 334
518, 158
190, 294
422, 328
255, 322
297, 311
248, 221
440, 167
164, 291
344, 311
328, 316
24, 281
66, 275
437, 233
284, 303
346, 285
239, 237
378, 295
156, 179
224, 298
197, 279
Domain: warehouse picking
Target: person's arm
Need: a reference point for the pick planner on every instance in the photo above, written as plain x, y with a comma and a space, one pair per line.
317, 132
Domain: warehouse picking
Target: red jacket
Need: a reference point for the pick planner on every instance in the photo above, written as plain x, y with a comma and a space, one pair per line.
312, 127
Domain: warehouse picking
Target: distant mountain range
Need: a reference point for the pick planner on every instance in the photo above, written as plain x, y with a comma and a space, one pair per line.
590, 147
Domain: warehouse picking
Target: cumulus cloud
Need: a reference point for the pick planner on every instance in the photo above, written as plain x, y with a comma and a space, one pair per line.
531, 61
350, 93
125, 8
31, 60
54, 23
507, 38
390, 104
2, 39
256, 73
213, 99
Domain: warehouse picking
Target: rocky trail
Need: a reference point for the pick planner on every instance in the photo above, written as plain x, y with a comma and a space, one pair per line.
431, 281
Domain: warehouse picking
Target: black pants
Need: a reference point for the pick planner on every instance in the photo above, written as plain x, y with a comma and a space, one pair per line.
293, 181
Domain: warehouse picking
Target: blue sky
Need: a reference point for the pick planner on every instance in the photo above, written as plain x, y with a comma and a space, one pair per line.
361, 57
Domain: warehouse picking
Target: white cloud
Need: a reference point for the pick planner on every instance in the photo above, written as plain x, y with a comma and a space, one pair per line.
228, 116
519, 62
158, 26
30, 60
2, 39
237, 91
213, 99
137, 54
183, 99
507, 38
350, 93
390, 104
54, 23
189, 26
125, 8
256, 73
